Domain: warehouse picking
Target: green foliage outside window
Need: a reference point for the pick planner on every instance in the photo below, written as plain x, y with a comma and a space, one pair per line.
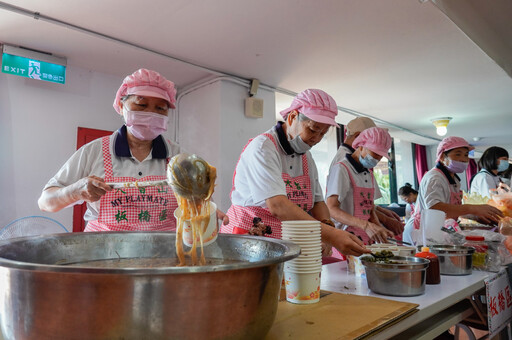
383, 182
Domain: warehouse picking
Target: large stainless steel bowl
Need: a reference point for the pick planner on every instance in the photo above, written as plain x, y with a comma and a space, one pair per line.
42, 300
454, 260
404, 279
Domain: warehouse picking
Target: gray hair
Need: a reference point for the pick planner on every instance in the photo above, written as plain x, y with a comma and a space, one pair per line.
302, 117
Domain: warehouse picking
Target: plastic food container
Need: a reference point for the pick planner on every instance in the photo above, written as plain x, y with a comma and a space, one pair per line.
403, 276
454, 260
481, 248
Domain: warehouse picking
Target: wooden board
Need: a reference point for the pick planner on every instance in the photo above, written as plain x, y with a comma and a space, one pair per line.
337, 316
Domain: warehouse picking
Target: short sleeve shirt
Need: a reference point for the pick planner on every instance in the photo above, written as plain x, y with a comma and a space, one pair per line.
338, 183
341, 154
483, 182
88, 161
258, 174
435, 188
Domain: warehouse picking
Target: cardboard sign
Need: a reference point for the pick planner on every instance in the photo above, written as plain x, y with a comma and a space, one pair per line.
499, 302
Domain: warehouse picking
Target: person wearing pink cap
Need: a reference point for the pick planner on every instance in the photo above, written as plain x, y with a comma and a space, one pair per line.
136, 152
352, 189
387, 218
440, 190
276, 178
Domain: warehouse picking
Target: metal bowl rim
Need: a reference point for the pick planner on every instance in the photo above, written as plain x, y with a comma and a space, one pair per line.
292, 250
440, 249
417, 263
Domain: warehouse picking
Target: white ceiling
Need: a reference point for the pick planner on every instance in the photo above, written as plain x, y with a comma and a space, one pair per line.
401, 61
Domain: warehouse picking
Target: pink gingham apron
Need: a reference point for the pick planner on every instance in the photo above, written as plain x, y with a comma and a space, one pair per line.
298, 190
455, 198
126, 209
363, 205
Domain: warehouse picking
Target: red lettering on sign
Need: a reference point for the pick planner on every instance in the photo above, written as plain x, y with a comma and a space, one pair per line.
508, 297
493, 306
501, 301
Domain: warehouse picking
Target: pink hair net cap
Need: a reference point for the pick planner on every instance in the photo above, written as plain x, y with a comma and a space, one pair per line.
450, 143
375, 139
316, 105
148, 83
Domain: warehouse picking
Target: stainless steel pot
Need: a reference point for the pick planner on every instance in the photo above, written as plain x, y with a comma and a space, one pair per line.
42, 300
406, 279
454, 260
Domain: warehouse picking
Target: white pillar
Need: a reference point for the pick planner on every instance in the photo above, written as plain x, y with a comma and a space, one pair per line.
212, 124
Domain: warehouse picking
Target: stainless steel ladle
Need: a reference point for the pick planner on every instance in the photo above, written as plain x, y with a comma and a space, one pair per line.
191, 177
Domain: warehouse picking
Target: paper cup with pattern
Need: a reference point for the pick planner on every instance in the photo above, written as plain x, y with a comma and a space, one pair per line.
209, 234
302, 288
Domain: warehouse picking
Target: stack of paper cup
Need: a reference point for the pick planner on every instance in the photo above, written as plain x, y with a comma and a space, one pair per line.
302, 274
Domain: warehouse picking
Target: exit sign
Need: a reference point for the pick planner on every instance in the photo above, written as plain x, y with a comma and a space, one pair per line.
32, 68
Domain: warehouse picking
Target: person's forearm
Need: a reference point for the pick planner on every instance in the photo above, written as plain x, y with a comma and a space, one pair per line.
453, 210
328, 234
285, 210
320, 211
373, 216
342, 216
345, 218
55, 199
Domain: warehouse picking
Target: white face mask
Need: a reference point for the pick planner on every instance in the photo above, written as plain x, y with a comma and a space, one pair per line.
298, 145
145, 125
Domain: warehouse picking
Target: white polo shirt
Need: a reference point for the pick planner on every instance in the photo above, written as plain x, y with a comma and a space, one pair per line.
338, 183
435, 187
483, 182
343, 150
88, 161
258, 175
341, 154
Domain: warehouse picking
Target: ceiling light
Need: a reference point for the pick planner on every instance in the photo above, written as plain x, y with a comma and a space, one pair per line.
441, 125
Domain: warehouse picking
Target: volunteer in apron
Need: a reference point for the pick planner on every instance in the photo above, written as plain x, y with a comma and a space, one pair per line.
387, 218
352, 189
440, 189
276, 178
493, 161
136, 152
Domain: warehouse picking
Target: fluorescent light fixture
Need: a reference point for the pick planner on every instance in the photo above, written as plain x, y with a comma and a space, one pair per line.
441, 125
28, 63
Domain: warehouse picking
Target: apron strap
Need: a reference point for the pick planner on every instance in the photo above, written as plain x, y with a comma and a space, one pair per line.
107, 158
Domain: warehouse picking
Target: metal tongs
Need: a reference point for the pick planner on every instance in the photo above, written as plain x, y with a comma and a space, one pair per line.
398, 242
120, 185
191, 177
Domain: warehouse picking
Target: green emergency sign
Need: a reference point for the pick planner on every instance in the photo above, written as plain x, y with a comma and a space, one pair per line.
32, 68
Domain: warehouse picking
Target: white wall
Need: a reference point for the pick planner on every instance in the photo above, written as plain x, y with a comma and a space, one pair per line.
38, 127
404, 164
212, 124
